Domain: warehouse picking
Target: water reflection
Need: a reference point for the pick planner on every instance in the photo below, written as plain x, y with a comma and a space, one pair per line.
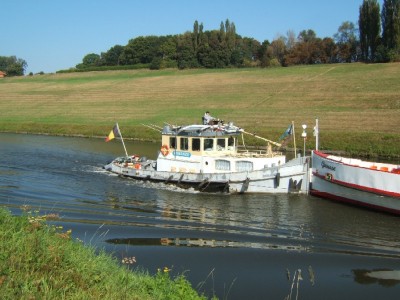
200, 242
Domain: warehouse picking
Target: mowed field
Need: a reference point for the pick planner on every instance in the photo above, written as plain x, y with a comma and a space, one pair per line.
358, 105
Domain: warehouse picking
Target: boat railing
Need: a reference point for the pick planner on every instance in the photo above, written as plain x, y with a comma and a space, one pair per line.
384, 167
257, 153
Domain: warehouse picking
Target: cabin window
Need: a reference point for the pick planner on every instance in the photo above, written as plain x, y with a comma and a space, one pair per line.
221, 144
184, 144
172, 142
195, 144
244, 166
208, 144
222, 165
231, 143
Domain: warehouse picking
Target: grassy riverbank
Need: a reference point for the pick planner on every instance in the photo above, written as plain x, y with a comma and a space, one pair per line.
357, 104
43, 262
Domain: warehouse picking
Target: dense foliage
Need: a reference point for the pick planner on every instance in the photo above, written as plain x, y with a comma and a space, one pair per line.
12, 66
369, 24
391, 29
225, 48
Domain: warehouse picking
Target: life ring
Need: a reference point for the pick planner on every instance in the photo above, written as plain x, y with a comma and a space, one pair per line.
164, 150
138, 166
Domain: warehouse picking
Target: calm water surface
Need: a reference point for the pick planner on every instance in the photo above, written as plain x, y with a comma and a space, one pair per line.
233, 246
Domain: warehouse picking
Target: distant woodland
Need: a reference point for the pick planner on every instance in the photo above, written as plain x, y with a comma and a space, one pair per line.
376, 38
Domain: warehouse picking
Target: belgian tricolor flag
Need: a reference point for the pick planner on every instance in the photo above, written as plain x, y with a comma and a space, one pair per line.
113, 134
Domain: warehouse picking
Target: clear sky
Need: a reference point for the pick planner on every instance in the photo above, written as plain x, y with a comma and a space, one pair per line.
52, 35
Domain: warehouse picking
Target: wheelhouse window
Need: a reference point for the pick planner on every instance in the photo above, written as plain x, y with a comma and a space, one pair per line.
184, 144
231, 143
222, 165
195, 144
172, 142
221, 144
208, 144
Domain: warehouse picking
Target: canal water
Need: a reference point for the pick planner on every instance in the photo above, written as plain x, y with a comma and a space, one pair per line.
231, 246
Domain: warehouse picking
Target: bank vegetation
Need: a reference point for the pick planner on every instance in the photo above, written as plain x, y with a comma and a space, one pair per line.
42, 261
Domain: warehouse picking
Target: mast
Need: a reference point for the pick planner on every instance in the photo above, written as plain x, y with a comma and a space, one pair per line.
294, 140
316, 134
119, 132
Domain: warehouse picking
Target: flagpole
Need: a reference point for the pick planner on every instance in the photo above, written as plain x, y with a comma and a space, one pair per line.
316, 132
294, 140
119, 132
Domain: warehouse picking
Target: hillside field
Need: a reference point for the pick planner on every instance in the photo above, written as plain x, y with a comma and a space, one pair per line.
357, 105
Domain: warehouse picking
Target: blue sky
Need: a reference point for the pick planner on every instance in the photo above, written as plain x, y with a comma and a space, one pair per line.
52, 35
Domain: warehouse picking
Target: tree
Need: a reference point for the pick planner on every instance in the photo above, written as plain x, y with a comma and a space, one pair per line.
196, 35
346, 40
265, 54
167, 50
307, 36
12, 65
112, 56
215, 53
90, 60
329, 51
186, 56
369, 26
278, 47
230, 34
237, 57
298, 55
290, 39
308, 50
251, 51
140, 50
391, 25
222, 32
166, 54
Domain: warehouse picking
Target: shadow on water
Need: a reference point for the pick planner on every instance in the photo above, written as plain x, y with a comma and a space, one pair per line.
187, 242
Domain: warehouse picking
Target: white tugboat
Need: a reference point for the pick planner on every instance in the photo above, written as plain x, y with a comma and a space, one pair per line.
206, 158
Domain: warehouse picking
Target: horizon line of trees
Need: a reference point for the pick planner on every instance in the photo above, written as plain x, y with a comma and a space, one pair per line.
225, 48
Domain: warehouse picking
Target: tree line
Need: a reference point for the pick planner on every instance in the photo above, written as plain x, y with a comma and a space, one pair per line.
225, 48
375, 39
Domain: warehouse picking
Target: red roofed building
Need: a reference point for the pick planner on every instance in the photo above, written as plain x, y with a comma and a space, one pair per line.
3, 74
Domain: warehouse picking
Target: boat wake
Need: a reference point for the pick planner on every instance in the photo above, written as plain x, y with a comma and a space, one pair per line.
161, 186
97, 169
142, 184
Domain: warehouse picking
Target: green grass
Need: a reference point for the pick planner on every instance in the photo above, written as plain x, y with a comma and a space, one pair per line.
357, 104
38, 261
